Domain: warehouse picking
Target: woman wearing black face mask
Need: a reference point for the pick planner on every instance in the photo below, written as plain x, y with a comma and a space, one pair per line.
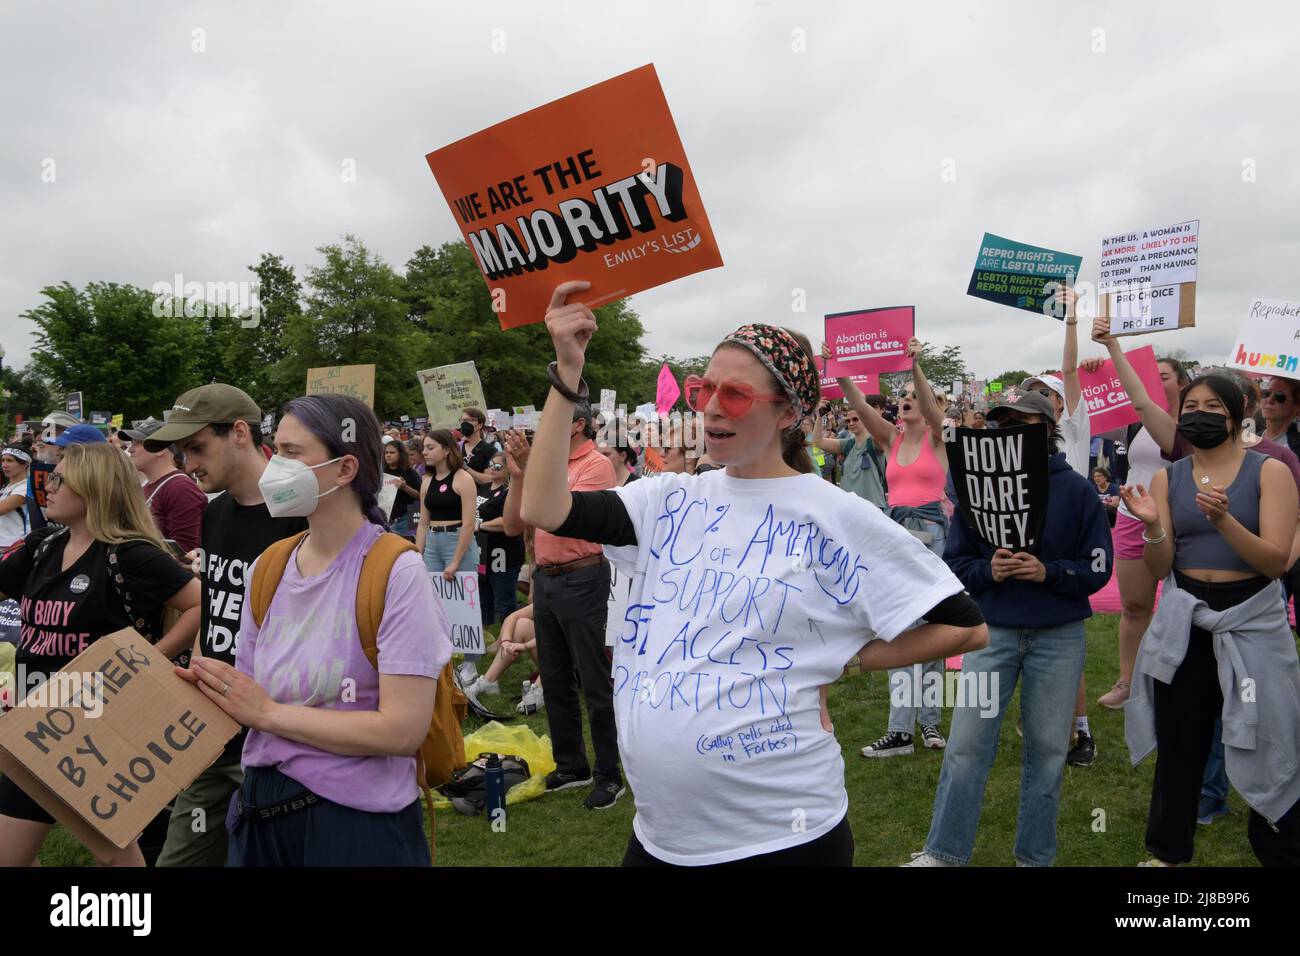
1222, 521
476, 450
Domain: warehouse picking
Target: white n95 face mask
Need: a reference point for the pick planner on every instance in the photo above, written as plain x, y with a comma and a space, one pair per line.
289, 487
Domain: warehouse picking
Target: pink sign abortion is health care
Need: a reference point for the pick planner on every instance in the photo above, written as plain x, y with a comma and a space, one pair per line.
870, 340
867, 382
1109, 406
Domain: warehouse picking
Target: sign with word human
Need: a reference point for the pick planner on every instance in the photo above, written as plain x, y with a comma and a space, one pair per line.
1269, 339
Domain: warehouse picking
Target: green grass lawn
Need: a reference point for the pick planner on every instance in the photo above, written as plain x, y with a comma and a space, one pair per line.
1102, 817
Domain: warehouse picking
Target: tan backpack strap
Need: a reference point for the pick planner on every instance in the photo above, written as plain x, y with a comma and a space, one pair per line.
373, 586
267, 574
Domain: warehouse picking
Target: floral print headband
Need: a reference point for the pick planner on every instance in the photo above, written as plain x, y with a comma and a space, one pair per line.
786, 359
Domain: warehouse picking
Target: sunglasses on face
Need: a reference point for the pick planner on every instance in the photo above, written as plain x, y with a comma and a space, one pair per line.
1280, 398
907, 396
735, 398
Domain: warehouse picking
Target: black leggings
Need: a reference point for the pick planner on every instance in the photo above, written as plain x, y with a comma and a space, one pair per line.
832, 848
1186, 709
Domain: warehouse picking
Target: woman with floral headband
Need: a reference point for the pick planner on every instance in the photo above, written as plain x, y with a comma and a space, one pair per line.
752, 585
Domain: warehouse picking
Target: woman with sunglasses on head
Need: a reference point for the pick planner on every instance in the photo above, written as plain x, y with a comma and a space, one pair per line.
751, 587
1218, 528
103, 568
917, 474
1279, 404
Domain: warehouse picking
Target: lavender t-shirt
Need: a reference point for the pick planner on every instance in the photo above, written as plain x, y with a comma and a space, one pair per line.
308, 653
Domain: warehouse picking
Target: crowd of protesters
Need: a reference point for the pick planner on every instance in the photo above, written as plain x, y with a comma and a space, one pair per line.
161, 526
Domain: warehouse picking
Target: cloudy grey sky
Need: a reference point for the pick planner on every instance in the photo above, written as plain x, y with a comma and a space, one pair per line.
821, 168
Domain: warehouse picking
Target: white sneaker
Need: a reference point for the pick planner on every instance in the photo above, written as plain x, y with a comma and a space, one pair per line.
532, 701
468, 673
925, 859
482, 686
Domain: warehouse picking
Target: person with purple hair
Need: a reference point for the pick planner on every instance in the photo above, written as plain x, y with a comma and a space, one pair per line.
332, 740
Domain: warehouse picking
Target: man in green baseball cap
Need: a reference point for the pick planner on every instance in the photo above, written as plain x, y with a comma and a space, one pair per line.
214, 404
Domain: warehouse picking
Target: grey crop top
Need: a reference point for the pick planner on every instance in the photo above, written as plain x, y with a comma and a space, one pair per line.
1197, 544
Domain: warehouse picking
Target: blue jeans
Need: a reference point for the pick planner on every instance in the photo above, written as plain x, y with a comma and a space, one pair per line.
504, 594
907, 682
440, 549
1051, 661
1214, 785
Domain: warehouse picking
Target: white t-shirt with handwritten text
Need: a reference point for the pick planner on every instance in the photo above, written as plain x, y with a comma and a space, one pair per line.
747, 596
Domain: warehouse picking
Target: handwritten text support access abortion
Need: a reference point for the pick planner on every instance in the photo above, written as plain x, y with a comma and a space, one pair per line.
731, 642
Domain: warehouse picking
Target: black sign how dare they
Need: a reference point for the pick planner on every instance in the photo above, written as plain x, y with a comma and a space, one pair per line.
1000, 475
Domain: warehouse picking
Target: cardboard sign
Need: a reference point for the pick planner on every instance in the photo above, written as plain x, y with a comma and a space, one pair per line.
620, 594
592, 186
525, 417
1148, 279
1012, 273
1109, 406
1269, 339
355, 380
1000, 475
867, 382
463, 604
107, 742
870, 340
448, 390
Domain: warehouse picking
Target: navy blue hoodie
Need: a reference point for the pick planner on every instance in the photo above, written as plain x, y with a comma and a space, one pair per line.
1074, 536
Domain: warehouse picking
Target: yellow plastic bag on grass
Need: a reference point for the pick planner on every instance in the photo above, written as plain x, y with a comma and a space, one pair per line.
517, 739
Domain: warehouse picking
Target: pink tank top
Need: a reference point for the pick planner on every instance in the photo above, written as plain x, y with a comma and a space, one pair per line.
919, 483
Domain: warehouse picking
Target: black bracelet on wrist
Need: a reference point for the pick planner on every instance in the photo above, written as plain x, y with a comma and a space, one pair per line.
580, 396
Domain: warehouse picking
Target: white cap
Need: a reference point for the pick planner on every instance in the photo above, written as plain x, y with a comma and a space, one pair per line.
1051, 381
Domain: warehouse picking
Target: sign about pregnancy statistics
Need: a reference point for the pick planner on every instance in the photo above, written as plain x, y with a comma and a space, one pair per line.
870, 340
1147, 281
593, 186
1109, 405
1269, 340
868, 383
1022, 276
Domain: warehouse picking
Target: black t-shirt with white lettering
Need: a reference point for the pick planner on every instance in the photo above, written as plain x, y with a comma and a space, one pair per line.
64, 612
233, 537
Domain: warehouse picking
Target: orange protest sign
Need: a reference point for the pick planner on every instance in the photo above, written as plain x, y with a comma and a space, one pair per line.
592, 186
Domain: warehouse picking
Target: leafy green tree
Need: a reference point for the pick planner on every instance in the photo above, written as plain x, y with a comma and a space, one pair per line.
1012, 377
26, 394
107, 342
354, 313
